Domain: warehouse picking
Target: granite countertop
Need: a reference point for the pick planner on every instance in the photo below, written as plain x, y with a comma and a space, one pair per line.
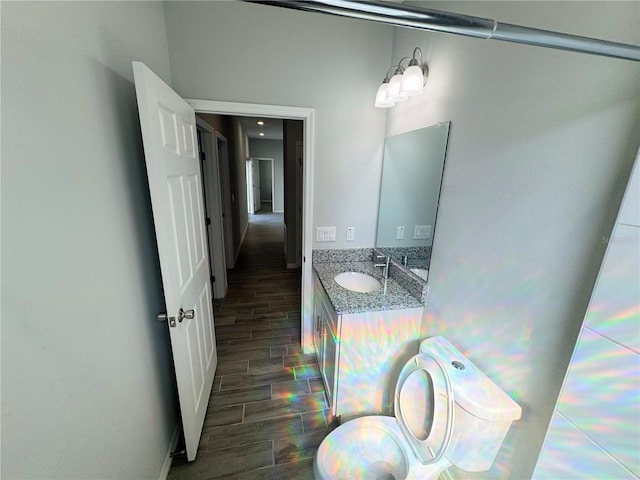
346, 301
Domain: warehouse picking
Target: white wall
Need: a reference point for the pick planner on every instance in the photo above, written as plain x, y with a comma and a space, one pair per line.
271, 149
598, 412
243, 52
87, 379
542, 142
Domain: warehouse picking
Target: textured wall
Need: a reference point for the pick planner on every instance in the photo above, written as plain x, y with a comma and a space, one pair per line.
88, 389
239, 52
542, 142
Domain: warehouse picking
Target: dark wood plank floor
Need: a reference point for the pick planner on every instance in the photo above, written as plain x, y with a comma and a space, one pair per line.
267, 412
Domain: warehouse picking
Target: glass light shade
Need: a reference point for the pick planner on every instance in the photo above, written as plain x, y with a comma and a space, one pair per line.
394, 94
412, 81
381, 97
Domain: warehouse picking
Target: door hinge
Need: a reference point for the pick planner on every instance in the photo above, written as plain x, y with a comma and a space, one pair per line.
213, 278
203, 156
207, 221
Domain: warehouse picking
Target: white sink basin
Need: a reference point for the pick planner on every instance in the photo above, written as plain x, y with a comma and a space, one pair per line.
357, 282
421, 272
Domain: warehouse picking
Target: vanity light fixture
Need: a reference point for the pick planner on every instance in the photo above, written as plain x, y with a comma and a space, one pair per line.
404, 83
260, 122
261, 134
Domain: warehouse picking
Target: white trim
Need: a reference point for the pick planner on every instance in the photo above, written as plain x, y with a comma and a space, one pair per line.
308, 116
213, 199
250, 109
225, 187
168, 459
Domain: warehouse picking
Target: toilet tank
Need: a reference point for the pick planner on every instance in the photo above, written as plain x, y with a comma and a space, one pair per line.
483, 411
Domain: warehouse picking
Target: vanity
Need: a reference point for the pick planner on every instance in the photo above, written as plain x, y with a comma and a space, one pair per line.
367, 319
362, 339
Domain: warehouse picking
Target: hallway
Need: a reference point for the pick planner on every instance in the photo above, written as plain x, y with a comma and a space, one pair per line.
267, 412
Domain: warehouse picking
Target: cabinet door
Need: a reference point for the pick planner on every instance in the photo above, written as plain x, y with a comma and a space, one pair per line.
317, 329
330, 353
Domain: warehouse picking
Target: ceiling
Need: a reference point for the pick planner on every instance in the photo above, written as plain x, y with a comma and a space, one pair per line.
272, 127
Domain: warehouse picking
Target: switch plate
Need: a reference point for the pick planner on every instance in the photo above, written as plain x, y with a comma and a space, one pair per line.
400, 233
421, 231
325, 234
351, 234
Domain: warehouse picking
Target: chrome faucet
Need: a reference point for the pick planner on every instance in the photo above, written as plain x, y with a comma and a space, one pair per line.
385, 265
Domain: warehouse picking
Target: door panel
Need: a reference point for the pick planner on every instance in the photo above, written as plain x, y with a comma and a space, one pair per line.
173, 168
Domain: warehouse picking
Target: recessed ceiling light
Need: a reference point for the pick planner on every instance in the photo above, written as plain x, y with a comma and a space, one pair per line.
261, 134
260, 122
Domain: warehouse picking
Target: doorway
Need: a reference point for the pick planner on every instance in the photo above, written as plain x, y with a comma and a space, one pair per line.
211, 186
306, 115
262, 185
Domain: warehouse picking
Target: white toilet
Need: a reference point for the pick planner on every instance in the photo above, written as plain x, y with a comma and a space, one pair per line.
447, 412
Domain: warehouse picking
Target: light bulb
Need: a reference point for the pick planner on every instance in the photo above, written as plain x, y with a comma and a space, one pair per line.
394, 94
381, 97
412, 82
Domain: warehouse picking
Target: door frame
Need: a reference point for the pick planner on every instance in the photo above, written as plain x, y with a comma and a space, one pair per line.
273, 179
307, 115
225, 194
213, 201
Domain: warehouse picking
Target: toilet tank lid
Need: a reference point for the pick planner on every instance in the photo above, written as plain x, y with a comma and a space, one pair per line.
472, 389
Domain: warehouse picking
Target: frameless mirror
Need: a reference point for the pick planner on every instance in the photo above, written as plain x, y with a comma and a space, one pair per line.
409, 194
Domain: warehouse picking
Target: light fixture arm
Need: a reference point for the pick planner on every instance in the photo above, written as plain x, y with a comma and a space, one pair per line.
387, 77
414, 61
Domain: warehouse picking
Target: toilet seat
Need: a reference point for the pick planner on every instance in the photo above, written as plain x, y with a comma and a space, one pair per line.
424, 407
400, 447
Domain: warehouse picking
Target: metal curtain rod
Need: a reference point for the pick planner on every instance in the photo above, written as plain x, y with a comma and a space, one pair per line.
439, 21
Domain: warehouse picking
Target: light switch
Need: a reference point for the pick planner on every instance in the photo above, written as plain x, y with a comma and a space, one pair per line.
351, 234
421, 231
325, 234
400, 233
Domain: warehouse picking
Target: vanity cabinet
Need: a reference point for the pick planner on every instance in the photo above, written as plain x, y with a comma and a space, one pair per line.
325, 338
360, 355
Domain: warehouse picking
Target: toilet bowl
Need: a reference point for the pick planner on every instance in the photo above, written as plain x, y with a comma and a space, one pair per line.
447, 412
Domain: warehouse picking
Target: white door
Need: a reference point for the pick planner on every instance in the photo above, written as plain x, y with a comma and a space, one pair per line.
170, 147
257, 204
251, 203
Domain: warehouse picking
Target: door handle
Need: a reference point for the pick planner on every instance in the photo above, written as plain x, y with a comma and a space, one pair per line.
188, 314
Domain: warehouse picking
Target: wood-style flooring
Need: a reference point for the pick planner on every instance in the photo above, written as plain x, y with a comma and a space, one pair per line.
267, 412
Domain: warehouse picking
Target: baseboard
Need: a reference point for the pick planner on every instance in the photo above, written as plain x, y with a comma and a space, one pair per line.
164, 473
278, 211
